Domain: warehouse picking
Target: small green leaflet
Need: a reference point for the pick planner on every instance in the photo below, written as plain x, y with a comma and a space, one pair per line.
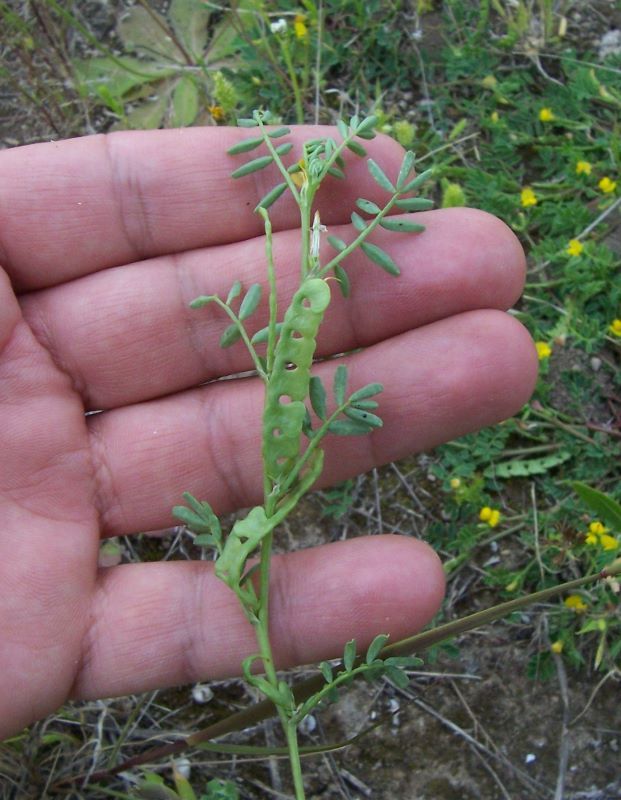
406, 168
358, 223
231, 335
245, 145
368, 206
317, 394
379, 176
348, 427
401, 225
340, 384
284, 148
337, 244
380, 257
418, 181
247, 123
414, 204
326, 671
343, 279
367, 391
250, 301
349, 655
278, 133
263, 334
365, 128
201, 301
272, 196
252, 166
365, 417
376, 647
234, 292
356, 148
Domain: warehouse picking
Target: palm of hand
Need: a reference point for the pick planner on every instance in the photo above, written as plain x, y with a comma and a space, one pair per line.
104, 263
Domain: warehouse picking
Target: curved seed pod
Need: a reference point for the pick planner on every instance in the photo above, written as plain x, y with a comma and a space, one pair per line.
284, 414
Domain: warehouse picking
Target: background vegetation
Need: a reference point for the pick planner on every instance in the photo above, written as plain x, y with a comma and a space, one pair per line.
517, 105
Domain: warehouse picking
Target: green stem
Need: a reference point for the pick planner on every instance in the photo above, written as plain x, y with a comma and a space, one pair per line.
273, 299
299, 110
294, 759
245, 338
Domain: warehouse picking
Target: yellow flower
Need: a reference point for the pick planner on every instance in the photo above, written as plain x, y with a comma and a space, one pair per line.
546, 115
607, 185
557, 646
615, 327
576, 603
489, 82
597, 528
575, 247
591, 538
299, 26
543, 350
583, 168
217, 112
494, 116
528, 197
455, 483
608, 542
299, 177
490, 515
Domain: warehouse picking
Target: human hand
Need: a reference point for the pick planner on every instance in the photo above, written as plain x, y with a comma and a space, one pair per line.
104, 242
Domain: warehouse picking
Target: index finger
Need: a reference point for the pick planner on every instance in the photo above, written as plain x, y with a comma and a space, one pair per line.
75, 207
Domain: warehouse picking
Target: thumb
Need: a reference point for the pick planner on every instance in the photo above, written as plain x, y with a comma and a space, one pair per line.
10, 312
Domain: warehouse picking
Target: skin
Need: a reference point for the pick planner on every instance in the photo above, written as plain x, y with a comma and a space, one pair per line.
103, 243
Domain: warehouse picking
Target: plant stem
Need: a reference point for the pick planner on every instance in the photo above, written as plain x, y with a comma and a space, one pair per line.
294, 759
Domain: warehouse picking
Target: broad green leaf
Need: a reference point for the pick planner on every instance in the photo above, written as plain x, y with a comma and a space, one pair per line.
414, 204
340, 384
185, 103
367, 206
348, 427
603, 505
418, 181
349, 655
356, 148
337, 244
272, 196
375, 647
380, 257
401, 225
252, 166
317, 394
231, 335
245, 145
406, 167
367, 391
234, 292
120, 75
148, 115
343, 279
357, 221
379, 176
145, 32
326, 671
190, 19
251, 301
365, 417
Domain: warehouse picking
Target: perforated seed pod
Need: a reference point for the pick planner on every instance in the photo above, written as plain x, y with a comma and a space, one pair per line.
287, 391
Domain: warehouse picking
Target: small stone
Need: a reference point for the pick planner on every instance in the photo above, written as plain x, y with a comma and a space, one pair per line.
596, 363
201, 693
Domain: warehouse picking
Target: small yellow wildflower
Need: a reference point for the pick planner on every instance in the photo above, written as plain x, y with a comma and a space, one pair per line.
299, 177
489, 82
615, 327
575, 247
299, 26
583, 168
557, 646
597, 528
455, 483
495, 117
528, 197
608, 542
543, 350
607, 185
576, 603
217, 112
591, 538
546, 115
490, 515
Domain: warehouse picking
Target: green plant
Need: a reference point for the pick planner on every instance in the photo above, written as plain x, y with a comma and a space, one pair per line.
292, 457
